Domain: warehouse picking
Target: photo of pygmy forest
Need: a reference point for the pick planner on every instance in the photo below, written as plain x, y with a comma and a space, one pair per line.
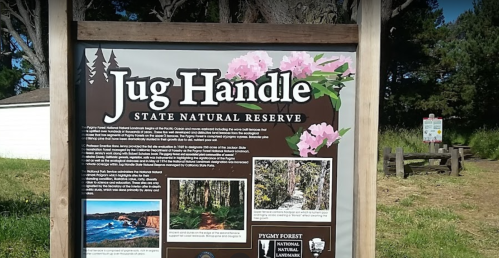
207, 204
292, 184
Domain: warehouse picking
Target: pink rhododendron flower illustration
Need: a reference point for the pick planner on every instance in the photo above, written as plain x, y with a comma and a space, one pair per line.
326, 77
301, 64
313, 139
251, 66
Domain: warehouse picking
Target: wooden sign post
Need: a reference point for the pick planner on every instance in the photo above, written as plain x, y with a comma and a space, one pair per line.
178, 121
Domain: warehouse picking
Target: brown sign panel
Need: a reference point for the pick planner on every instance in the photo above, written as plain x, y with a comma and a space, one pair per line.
212, 152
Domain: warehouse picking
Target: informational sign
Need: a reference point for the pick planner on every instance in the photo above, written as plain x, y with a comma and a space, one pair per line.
432, 129
215, 151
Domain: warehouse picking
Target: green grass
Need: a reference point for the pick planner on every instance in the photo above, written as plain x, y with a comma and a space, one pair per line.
24, 208
411, 140
484, 143
421, 233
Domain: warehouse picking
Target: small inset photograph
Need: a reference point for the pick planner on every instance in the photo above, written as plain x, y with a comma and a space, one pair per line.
292, 184
207, 204
266, 248
122, 223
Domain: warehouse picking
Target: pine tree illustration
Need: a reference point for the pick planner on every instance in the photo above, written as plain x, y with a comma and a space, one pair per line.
99, 68
112, 62
84, 71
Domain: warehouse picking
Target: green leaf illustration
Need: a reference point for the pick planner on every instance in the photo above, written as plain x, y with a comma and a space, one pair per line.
327, 62
320, 146
321, 73
294, 139
347, 79
336, 103
250, 106
343, 131
314, 78
262, 79
317, 57
320, 90
342, 68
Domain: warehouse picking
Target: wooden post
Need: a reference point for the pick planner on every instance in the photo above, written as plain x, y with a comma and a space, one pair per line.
386, 160
431, 149
62, 217
441, 150
454, 159
366, 127
445, 148
461, 157
399, 162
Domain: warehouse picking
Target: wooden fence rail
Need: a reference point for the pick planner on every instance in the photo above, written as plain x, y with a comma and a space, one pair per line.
448, 161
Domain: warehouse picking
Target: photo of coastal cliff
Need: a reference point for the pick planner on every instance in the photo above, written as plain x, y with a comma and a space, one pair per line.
122, 223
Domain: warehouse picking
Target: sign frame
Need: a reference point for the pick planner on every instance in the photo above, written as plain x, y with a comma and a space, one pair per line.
63, 32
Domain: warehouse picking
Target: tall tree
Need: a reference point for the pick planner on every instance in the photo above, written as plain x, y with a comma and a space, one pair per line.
26, 21
83, 72
469, 64
320, 187
174, 195
9, 75
291, 176
113, 64
99, 68
207, 195
234, 193
411, 64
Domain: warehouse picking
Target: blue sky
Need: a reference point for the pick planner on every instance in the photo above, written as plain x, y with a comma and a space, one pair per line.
96, 206
453, 8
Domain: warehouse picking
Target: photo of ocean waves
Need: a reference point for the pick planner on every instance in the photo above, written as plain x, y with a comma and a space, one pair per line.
99, 230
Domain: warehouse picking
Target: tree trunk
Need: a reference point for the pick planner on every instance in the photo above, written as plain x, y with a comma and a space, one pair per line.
276, 11
320, 187
174, 195
296, 11
234, 194
196, 193
384, 67
224, 11
291, 177
79, 9
42, 76
249, 10
207, 198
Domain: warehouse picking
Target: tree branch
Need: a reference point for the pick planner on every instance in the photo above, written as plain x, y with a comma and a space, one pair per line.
12, 12
29, 52
90, 4
176, 4
37, 18
157, 15
24, 13
401, 7
169, 7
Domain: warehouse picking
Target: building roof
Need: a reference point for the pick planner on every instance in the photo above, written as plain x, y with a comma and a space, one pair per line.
35, 96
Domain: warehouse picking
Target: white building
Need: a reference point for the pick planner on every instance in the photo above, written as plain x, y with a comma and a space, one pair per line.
25, 125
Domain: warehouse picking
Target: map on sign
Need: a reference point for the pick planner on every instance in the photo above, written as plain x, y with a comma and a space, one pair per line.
432, 129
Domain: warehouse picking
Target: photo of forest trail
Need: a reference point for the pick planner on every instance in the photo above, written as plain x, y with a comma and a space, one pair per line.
292, 184
207, 204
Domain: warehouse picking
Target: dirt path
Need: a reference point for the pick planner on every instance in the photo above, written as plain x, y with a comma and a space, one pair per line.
208, 221
295, 202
